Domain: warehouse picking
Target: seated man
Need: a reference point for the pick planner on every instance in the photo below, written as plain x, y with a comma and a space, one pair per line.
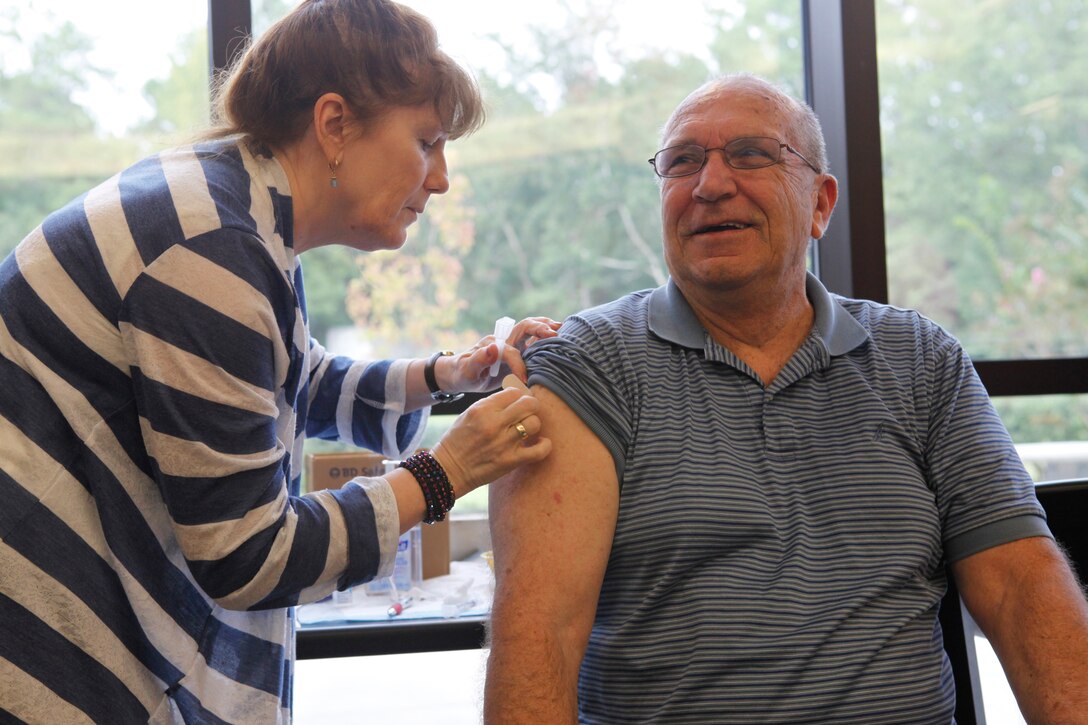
757, 485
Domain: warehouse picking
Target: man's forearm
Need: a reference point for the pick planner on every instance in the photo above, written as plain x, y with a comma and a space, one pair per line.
528, 682
1038, 627
1047, 665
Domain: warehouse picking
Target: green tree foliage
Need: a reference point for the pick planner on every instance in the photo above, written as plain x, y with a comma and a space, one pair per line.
553, 207
329, 272
409, 303
565, 204
762, 38
986, 170
48, 153
39, 98
181, 99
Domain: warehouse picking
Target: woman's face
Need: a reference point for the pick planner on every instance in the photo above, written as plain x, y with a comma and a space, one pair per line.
390, 167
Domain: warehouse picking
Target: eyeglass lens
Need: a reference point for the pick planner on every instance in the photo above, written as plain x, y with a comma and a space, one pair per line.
742, 153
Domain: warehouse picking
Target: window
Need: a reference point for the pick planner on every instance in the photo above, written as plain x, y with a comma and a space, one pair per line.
74, 106
552, 207
986, 195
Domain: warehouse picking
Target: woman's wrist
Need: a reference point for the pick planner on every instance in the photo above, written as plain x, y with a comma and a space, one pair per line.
456, 475
438, 375
444, 373
438, 494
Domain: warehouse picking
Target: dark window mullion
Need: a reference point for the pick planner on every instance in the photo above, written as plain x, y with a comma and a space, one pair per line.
229, 25
1062, 376
841, 85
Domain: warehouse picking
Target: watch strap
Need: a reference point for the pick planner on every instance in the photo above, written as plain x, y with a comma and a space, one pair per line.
432, 383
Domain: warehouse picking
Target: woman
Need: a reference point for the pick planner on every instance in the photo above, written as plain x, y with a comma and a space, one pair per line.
159, 379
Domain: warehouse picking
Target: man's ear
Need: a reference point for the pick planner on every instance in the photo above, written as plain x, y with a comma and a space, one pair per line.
827, 193
331, 117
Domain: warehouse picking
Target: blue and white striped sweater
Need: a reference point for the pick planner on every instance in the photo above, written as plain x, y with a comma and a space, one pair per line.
158, 380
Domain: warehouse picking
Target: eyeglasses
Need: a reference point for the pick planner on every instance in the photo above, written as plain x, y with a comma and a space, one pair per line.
752, 152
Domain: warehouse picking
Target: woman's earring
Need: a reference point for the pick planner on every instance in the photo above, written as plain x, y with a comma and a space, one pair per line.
333, 166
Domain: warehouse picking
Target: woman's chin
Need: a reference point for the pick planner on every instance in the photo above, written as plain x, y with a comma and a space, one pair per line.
378, 243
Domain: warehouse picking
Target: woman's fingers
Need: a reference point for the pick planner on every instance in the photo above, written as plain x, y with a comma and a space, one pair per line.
527, 427
511, 404
472, 368
525, 333
514, 362
531, 329
491, 438
526, 423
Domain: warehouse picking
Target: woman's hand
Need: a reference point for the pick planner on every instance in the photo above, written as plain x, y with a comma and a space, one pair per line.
493, 437
470, 371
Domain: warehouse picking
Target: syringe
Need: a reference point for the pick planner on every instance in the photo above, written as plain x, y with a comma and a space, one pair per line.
503, 327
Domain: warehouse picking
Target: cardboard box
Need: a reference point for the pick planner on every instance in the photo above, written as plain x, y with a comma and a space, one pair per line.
333, 470
436, 548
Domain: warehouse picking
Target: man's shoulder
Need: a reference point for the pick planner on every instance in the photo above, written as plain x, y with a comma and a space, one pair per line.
906, 333
598, 332
632, 304
625, 316
879, 316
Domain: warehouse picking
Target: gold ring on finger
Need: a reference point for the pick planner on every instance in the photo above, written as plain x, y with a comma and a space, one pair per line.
521, 431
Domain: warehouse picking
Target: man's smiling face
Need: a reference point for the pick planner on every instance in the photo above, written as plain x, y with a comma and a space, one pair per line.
726, 227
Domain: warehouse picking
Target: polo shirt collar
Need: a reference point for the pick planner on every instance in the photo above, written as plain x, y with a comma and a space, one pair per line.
671, 318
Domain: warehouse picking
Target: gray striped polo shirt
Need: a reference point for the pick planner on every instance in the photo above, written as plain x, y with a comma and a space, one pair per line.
780, 551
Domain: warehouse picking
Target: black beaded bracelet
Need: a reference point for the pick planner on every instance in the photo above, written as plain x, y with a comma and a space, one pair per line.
433, 482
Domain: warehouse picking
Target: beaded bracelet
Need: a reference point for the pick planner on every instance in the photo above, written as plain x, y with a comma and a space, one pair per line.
433, 482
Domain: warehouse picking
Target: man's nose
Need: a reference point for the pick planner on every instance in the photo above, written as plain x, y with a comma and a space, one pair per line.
715, 179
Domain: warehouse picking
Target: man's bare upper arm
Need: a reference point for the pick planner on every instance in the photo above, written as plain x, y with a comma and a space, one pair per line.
552, 525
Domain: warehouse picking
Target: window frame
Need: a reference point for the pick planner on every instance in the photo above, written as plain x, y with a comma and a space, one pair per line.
230, 23
841, 85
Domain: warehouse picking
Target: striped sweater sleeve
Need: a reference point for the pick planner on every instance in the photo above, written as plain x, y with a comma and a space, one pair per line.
206, 329
362, 402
